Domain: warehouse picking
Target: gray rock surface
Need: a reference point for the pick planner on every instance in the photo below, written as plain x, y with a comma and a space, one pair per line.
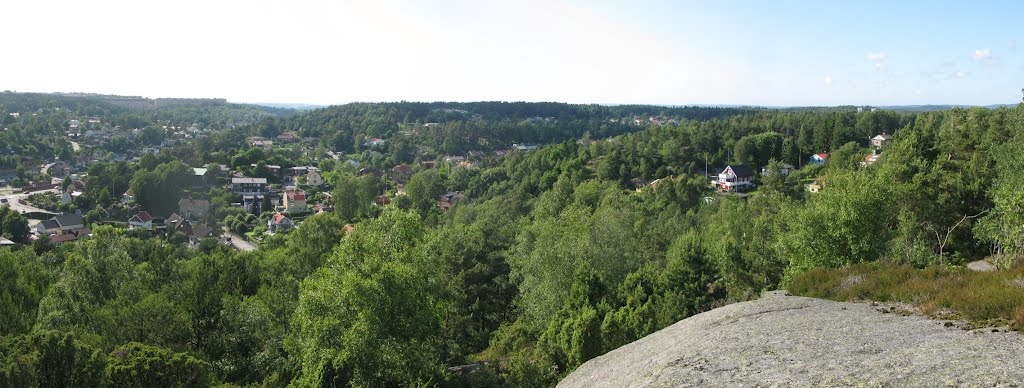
981, 266
782, 340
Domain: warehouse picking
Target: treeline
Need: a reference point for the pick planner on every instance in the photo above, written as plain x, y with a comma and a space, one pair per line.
462, 127
552, 259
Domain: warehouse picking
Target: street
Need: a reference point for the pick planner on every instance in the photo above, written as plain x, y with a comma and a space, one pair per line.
239, 242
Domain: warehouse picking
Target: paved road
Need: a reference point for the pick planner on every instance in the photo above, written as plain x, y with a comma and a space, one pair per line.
12, 202
239, 242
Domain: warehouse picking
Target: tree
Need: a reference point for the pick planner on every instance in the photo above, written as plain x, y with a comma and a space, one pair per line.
13, 225
424, 187
374, 314
138, 365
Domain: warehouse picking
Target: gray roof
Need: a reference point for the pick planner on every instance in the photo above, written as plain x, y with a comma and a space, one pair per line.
50, 224
243, 180
66, 220
742, 170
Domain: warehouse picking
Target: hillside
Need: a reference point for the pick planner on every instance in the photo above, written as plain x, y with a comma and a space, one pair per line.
790, 340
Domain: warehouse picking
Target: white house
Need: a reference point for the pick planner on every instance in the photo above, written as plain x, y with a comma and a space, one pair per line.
819, 158
141, 220
736, 178
313, 178
880, 140
784, 169
243, 185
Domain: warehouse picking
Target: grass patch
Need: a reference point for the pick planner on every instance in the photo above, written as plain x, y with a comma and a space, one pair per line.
983, 298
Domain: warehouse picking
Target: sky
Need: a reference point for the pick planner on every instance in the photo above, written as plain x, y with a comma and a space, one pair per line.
772, 53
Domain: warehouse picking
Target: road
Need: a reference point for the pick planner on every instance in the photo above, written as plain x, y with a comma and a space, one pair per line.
239, 242
12, 202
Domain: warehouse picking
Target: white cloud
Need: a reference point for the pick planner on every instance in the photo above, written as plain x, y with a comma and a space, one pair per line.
1012, 45
982, 54
828, 80
879, 56
960, 74
985, 56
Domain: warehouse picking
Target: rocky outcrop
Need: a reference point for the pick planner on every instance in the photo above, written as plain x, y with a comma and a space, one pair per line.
782, 340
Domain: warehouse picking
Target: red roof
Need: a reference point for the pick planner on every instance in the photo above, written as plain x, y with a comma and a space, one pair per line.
297, 195
278, 218
142, 217
823, 156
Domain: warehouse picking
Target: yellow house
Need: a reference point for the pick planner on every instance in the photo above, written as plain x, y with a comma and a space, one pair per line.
294, 201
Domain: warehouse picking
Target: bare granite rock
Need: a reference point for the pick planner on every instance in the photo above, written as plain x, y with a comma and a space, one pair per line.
782, 340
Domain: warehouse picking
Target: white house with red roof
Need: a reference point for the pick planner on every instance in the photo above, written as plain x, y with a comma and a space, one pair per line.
819, 158
141, 220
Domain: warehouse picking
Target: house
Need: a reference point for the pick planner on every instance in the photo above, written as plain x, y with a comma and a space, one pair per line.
68, 223
294, 201
374, 142
177, 223
244, 185
816, 184
264, 144
278, 223
201, 231
871, 159
48, 227
819, 158
880, 140
4, 242
382, 200
62, 238
199, 177
288, 137
455, 159
141, 220
303, 170
128, 196
784, 169
376, 172
401, 173
447, 200
524, 147
272, 168
313, 178
736, 178
657, 182
222, 170
194, 208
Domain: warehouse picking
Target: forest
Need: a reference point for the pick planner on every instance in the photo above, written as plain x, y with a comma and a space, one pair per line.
556, 256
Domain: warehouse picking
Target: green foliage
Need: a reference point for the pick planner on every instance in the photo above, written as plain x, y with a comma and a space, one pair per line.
138, 365
13, 225
50, 359
25, 280
847, 223
374, 314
